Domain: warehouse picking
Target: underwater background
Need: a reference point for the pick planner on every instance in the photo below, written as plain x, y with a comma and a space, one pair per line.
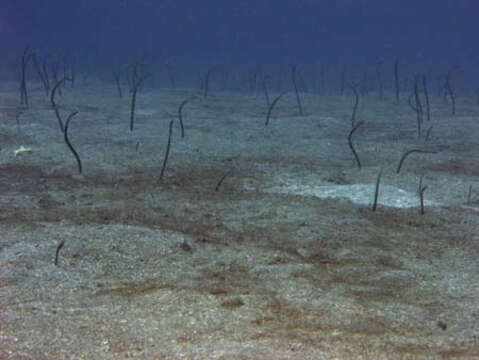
194, 34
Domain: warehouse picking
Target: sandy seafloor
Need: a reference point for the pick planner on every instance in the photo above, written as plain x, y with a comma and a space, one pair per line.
285, 261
